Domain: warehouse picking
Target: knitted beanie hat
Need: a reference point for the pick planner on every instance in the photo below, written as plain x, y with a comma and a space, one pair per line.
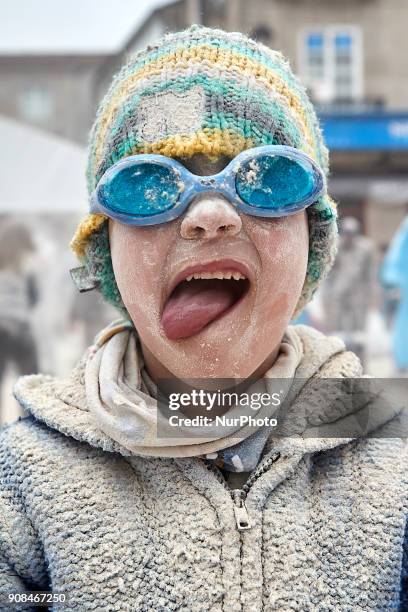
210, 92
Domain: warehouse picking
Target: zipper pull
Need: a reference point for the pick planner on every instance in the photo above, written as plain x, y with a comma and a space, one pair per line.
242, 517
240, 510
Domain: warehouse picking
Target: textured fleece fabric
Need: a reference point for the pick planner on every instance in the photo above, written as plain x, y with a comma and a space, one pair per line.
211, 92
125, 408
116, 531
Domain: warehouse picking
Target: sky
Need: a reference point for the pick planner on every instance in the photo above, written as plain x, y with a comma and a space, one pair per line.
70, 26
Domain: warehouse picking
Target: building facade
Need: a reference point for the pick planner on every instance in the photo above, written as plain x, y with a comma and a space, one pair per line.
53, 93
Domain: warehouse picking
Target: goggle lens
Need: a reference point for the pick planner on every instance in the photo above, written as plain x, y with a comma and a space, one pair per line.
274, 182
143, 189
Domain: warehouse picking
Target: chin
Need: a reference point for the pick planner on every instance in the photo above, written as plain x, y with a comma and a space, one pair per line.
228, 352
232, 346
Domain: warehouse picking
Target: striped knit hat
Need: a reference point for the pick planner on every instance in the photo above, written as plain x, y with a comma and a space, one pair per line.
211, 92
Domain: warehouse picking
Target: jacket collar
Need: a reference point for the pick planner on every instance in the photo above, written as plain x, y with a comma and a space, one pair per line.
312, 422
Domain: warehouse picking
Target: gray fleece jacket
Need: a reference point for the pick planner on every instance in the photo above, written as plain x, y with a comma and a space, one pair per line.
318, 526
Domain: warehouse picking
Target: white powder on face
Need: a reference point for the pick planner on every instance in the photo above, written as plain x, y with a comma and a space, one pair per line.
279, 244
208, 206
163, 249
273, 241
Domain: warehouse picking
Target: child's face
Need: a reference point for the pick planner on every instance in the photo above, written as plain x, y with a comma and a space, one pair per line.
176, 327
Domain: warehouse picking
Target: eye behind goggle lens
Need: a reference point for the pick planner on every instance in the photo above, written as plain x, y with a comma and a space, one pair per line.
274, 182
143, 189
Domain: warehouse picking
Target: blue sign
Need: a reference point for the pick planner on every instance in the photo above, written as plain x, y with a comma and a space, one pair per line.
380, 132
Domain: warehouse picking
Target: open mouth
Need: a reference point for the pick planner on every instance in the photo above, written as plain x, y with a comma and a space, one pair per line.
200, 297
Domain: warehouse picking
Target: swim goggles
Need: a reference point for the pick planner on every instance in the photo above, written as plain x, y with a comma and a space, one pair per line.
267, 181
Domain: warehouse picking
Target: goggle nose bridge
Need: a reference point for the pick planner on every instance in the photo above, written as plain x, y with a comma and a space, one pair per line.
207, 184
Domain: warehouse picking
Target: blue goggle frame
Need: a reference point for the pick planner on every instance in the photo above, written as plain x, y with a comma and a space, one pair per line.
223, 183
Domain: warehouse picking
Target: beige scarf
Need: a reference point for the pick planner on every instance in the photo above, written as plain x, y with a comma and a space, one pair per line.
119, 396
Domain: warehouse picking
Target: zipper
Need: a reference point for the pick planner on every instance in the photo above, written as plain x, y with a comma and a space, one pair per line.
240, 510
239, 496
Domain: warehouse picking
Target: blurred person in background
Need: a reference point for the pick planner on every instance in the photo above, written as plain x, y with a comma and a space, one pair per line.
18, 295
391, 295
348, 292
394, 274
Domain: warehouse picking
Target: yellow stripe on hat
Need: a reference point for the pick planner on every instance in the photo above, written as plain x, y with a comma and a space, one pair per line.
87, 226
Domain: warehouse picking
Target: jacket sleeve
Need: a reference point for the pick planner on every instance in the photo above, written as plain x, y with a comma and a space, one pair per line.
22, 565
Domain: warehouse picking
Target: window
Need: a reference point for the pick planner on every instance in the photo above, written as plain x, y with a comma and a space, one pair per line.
35, 104
330, 62
315, 49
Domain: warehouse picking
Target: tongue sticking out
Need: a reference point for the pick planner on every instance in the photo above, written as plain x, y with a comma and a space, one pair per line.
196, 303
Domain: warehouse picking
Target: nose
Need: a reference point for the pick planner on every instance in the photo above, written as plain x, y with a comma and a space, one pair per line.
208, 217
